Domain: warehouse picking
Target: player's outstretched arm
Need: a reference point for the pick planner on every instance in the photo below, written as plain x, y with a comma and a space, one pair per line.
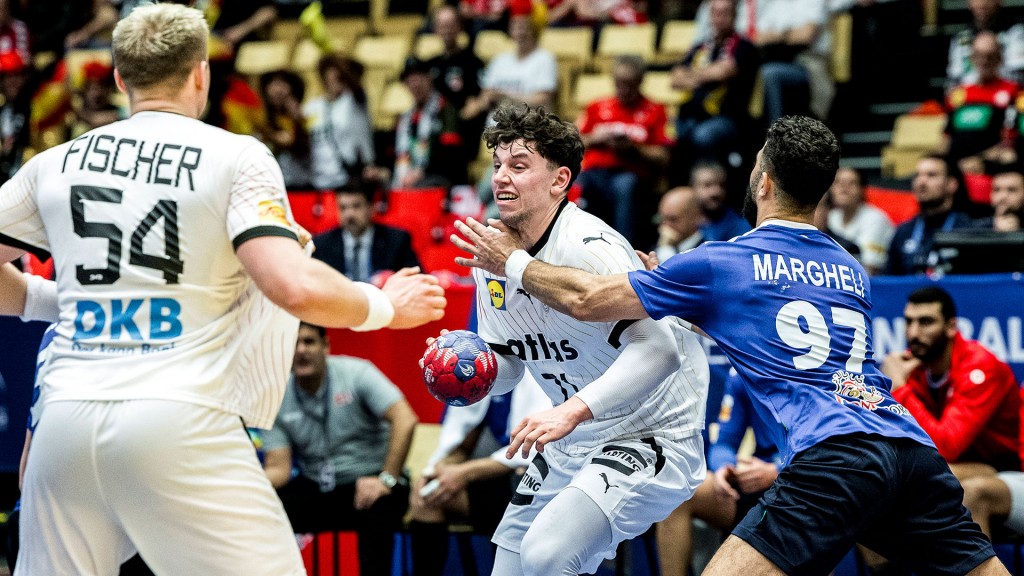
584, 296
316, 293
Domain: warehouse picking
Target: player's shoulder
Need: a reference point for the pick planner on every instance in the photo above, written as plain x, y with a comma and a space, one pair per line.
583, 240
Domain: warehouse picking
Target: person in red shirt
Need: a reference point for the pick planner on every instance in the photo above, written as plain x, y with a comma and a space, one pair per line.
965, 398
625, 146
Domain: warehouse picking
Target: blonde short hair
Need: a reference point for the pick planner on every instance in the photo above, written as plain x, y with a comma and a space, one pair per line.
159, 43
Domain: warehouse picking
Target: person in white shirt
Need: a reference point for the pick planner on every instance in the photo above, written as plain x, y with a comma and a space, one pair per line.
172, 243
341, 136
852, 218
628, 396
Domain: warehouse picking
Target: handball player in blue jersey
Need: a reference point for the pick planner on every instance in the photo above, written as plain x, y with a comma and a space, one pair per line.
791, 310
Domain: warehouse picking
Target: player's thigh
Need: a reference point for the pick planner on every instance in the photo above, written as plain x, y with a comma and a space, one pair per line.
547, 475
67, 526
191, 493
928, 526
639, 482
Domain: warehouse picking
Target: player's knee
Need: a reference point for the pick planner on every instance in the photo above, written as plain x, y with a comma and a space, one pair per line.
544, 557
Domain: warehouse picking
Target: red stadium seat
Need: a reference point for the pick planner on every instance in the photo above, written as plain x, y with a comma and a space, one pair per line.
900, 205
315, 211
330, 553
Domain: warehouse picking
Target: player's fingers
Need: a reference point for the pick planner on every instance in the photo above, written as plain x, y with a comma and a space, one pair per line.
469, 262
408, 271
466, 230
477, 228
463, 245
497, 224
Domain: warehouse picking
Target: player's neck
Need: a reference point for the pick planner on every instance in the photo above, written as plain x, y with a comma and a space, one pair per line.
789, 216
311, 384
531, 233
160, 103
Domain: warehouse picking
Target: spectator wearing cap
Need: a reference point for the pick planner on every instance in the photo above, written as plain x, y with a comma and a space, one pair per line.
429, 150
15, 113
526, 74
92, 106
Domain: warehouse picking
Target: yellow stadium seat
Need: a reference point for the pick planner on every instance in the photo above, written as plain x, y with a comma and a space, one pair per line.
918, 131
401, 24
570, 45
677, 38
255, 58
619, 39
658, 87
395, 100
427, 46
590, 87
305, 56
347, 28
288, 30
384, 52
842, 47
490, 43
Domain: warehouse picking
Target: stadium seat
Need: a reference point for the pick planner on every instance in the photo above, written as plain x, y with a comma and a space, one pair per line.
288, 30
618, 39
255, 58
427, 46
490, 43
395, 100
570, 45
899, 205
346, 30
305, 56
383, 52
658, 87
842, 47
913, 136
677, 37
401, 25
590, 87
314, 210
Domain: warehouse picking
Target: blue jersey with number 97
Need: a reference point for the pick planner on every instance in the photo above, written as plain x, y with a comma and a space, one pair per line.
790, 308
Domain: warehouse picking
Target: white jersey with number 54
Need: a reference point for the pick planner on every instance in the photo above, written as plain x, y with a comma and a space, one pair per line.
142, 218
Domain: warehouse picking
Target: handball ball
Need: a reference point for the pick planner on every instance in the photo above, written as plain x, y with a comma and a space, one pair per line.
459, 368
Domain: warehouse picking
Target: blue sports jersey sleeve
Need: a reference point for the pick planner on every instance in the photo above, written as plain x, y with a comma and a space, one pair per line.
681, 286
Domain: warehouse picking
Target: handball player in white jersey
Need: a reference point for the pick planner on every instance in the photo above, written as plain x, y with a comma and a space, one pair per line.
630, 395
160, 226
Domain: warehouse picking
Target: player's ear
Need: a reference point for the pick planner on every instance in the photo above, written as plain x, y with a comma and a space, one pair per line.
120, 83
562, 177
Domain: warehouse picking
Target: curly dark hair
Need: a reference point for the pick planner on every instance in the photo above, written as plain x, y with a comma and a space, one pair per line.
556, 140
801, 155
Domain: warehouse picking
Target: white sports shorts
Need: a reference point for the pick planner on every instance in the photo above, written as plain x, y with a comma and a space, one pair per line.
177, 482
636, 483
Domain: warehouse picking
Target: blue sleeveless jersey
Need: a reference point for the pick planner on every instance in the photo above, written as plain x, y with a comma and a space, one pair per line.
791, 310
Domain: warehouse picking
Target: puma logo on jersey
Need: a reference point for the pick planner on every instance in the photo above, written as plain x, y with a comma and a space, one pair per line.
524, 293
607, 485
600, 237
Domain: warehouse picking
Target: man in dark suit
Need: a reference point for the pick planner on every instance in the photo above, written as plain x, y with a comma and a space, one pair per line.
359, 248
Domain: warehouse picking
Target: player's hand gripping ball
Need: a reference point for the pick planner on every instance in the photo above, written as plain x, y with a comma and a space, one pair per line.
459, 368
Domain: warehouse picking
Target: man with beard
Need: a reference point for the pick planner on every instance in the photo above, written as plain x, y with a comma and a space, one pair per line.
935, 187
791, 310
964, 397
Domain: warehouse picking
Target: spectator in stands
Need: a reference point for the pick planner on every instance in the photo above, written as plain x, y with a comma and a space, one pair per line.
483, 15
284, 130
527, 74
987, 16
965, 398
359, 248
852, 218
981, 113
236, 21
14, 34
935, 186
590, 13
795, 44
92, 107
341, 137
679, 222
103, 17
470, 479
51, 22
456, 71
716, 78
626, 150
16, 86
1007, 201
349, 430
733, 483
429, 150
721, 222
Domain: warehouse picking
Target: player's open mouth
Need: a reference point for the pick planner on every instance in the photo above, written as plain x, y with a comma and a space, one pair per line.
505, 196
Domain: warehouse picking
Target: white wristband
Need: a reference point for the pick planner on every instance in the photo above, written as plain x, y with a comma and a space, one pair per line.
516, 265
380, 313
40, 299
